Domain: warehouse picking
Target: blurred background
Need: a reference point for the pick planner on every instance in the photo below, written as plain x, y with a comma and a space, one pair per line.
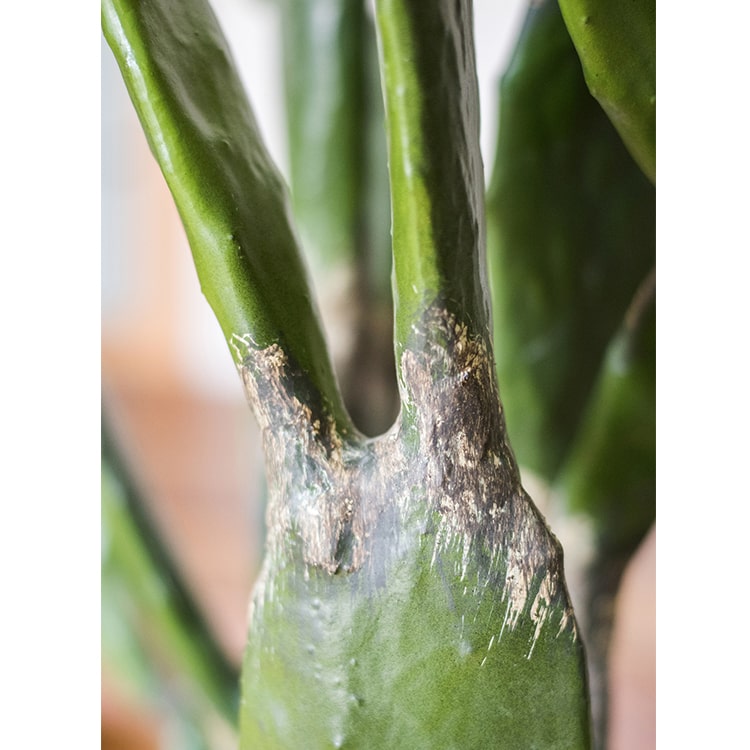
176, 402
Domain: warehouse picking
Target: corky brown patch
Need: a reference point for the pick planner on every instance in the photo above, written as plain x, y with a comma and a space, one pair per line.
344, 502
470, 474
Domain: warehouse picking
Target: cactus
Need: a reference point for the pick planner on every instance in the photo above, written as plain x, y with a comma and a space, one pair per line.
412, 594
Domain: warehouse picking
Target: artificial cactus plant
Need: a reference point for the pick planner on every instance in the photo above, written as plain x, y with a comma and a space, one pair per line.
412, 595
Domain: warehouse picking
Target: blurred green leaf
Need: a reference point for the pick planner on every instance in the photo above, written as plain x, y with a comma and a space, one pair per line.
153, 631
571, 233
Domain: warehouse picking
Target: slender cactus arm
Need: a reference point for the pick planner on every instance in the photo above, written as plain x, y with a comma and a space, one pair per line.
436, 173
232, 201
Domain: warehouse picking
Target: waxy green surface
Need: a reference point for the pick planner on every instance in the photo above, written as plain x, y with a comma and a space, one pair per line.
234, 206
616, 42
424, 660
571, 234
436, 173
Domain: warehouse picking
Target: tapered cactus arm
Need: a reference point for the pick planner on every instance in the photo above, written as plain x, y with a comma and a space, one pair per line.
436, 173
232, 201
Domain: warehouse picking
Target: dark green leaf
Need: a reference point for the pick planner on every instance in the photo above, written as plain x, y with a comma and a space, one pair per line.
571, 227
